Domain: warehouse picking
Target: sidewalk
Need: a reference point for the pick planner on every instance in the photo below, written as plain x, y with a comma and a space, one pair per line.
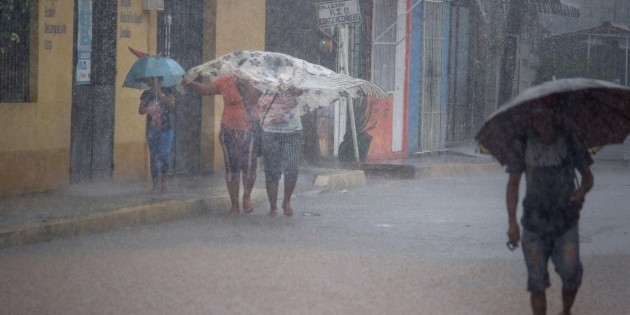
88, 208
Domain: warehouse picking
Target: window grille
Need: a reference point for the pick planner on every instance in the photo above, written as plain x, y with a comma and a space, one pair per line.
14, 61
384, 44
431, 134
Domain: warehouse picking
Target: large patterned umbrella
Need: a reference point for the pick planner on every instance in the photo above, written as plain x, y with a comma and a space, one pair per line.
274, 71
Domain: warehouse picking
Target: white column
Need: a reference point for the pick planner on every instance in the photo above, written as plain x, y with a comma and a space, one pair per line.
399, 78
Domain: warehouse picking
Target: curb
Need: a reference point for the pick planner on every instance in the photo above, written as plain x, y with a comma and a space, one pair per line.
454, 169
340, 181
151, 213
417, 172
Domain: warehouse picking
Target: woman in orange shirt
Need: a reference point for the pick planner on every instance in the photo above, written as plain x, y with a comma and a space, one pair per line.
240, 116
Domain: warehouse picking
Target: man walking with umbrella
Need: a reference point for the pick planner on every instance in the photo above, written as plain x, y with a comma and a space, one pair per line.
545, 132
549, 157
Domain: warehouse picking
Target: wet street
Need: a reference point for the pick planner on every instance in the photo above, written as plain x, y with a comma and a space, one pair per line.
426, 246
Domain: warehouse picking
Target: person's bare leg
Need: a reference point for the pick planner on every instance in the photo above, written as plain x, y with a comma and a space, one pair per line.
233, 189
538, 302
568, 297
248, 185
156, 185
272, 195
164, 189
289, 186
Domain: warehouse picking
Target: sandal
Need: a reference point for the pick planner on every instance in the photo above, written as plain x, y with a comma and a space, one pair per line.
272, 213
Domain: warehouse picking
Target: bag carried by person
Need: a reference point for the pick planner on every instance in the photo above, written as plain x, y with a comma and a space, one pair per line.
258, 131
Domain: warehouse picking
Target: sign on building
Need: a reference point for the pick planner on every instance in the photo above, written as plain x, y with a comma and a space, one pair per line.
84, 42
338, 12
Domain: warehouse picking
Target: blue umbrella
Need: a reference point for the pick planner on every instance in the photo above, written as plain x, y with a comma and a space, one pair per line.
153, 66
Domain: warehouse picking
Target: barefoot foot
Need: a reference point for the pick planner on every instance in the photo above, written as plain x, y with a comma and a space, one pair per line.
287, 209
248, 206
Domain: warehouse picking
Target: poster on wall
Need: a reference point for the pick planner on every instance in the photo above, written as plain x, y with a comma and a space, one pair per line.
84, 42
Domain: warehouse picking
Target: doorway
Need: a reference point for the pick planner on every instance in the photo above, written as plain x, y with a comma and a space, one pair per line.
93, 104
180, 35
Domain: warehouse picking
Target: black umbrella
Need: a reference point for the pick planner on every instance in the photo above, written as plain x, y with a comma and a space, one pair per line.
598, 112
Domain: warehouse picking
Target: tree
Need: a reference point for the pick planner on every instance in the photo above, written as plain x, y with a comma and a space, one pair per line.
9, 10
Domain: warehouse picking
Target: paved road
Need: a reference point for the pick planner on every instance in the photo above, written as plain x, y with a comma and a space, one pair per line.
430, 246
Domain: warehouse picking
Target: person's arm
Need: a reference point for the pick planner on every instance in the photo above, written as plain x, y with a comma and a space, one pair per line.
201, 88
167, 98
511, 199
585, 186
144, 102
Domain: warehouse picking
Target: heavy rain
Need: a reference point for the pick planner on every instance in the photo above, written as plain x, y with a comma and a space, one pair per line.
314, 156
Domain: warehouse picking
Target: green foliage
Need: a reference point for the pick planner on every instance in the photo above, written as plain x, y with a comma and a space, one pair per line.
8, 10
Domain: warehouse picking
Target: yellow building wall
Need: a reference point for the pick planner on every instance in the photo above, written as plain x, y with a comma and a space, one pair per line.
136, 29
35, 141
240, 25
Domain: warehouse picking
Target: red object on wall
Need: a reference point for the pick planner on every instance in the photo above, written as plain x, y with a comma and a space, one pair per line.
381, 146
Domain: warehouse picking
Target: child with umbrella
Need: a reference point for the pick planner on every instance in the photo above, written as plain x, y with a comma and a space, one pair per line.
158, 103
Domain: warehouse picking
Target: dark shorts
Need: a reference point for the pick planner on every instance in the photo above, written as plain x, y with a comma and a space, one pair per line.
238, 153
282, 152
564, 251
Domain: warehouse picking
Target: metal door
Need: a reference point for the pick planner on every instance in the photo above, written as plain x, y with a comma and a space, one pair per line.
431, 116
459, 109
180, 26
92, 120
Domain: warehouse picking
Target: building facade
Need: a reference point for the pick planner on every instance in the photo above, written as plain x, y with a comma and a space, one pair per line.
68, 119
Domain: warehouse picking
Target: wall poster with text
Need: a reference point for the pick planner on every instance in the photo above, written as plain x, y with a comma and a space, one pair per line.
84, 42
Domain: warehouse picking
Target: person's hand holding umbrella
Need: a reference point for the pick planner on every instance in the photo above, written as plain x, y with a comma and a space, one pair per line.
155, 86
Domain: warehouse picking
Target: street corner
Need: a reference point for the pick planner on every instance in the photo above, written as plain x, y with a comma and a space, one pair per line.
337, 181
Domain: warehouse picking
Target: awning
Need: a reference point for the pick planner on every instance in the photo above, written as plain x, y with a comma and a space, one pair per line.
556, 7
606, 29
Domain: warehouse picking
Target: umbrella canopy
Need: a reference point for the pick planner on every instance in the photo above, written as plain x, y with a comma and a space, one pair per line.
272, 71
153, 66
597, 112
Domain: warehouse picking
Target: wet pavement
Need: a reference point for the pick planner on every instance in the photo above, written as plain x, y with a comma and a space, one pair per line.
424, 246
92, 207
